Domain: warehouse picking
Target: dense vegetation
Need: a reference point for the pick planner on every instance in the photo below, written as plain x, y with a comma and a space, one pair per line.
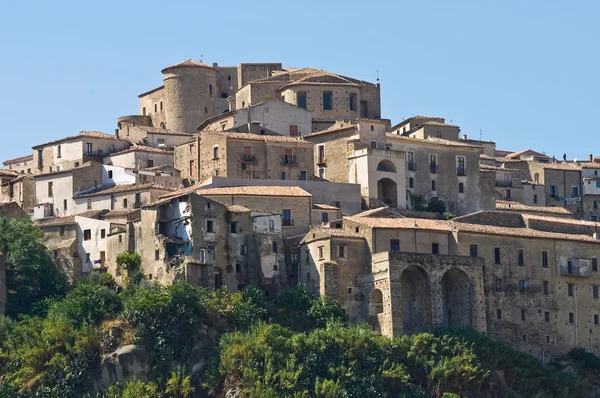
202, 343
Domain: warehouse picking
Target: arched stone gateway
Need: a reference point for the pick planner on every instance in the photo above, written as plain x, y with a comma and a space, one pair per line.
386, 165
376, 310
457, 292
387, 192
416, 299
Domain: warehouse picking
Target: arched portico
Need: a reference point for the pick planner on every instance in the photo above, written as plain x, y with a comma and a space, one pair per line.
416, 299
457, 293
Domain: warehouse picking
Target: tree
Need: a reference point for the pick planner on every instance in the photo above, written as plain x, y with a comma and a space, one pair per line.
419, 202
436, 205
129, 264
31, 274
325, 310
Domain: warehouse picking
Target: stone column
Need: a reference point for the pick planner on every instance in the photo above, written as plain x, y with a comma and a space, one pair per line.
3, 291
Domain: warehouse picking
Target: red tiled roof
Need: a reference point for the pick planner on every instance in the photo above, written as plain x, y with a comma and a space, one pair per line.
190, 63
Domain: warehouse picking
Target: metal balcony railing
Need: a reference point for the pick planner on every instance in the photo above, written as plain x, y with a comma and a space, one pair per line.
287, 223
248, 158
289, 159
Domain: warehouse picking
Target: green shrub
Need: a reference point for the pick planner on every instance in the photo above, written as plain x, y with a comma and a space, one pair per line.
325, 310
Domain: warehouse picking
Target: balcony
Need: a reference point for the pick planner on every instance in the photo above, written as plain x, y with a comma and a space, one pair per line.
289, 159
505, 184
246, 158
321, 160
287, 223
461, 172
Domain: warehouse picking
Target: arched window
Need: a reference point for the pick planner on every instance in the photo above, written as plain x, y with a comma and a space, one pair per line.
386, 165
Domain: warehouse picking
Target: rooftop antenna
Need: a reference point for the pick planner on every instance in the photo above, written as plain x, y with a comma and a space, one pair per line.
377, 76
480, 135
201, 56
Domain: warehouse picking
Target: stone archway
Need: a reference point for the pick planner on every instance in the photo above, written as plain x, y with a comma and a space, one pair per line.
387, 192
376, 310
416, 299
457, 292
387, 166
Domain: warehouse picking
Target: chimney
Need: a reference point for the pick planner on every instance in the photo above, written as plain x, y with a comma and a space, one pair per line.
215, 65
591, 157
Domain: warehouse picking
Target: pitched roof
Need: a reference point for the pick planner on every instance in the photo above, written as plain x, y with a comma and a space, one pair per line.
418, 118
430, 140
150, 91
238, 209
259, 137
404, 222
488, 167
319, 233
18, 160
322, 206
256, 190
158, 130
522, 232
190, 63
69, 220
109, 190
215, 118
336, 128
141, 148
517, 155
555, 166
508, 205
64, 171
82, 134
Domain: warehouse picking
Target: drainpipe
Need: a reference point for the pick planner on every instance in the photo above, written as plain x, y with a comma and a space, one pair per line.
576, 336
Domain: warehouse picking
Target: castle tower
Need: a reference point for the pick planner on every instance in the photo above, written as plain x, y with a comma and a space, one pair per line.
190, 91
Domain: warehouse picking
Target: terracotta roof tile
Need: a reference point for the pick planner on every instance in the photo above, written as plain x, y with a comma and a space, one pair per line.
18, 160
319, 233
69, 220
403, 223
508, 205
561, 220
430, 140
141, 148
259, 137
522, 232
157, 130
256, 190
90, 134
109, 190
190, 63
322, 206
488, 167
555, 166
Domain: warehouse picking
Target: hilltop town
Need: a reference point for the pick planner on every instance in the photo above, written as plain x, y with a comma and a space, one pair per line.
267, 176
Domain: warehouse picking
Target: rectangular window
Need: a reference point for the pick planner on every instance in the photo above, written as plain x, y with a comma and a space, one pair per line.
192, 168
394, 245
411, 182
433, 185
58, 151
89, 204
110, 174
324, 217
522, 285
373, 144
303, 175
327, 101
547, 316
210, 90
473, 250
283, 175
88, 258
244, 249
571, 318
364, 109
461, 187
150, 163
301, 100
553, 190
125, 203
410, 156
271, 225
497, 255
322, 173
65, 205
321, 252
102, 233
595, 291
216, 152
87, 234
293, 131
61, 231
435, 248
574, 192
247, 155
544, 259
460, 166
498, 285
321, 154
535, 199
50, 186
595, 264
433, 164
88, 148
521, 257
341, 251
596, 319
234, 227
507, 194
523, 315
352, 102
210, 226
499, 314
570, 289
546, 287
238, 268
156, 255
286, 216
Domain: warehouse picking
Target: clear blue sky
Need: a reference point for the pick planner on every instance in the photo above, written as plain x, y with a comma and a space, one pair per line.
524, 72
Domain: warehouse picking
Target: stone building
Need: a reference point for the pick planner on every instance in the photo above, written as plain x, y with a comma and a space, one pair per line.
22, 165
590, 190
71, 152
529, 280
140, 157
275, 115
11, 210
560, 183
242, 155
191, 237
138, 130
118, 197
54, 191
18, 189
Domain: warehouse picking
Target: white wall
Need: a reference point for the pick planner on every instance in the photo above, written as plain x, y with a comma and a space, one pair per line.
95, 245
277, 116
62, 190
119, 176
